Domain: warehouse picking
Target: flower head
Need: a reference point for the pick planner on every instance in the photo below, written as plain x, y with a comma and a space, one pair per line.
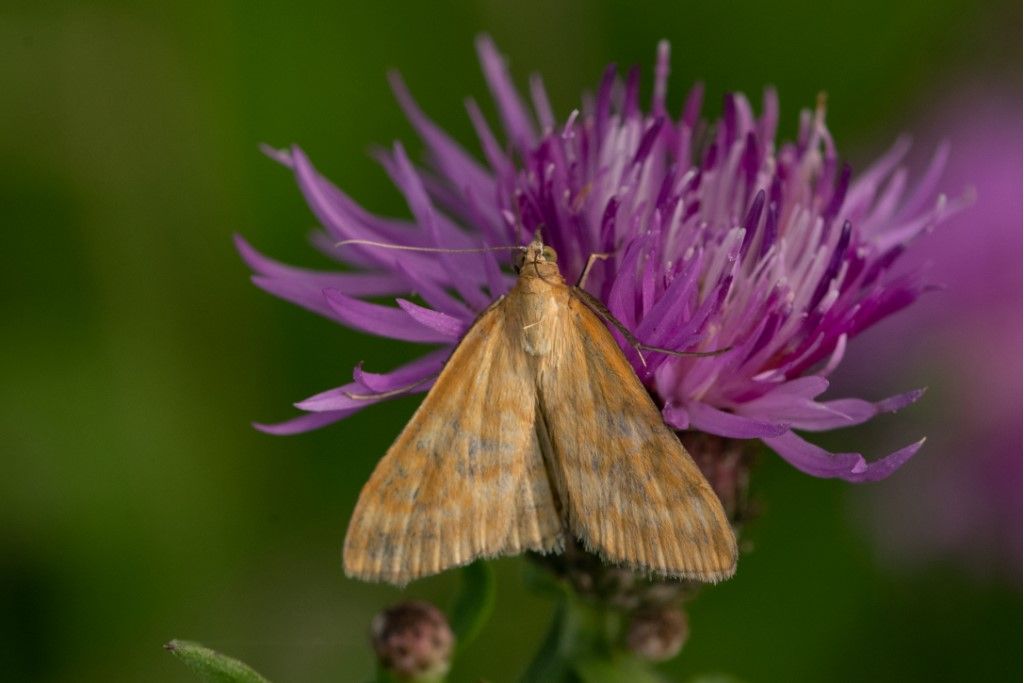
718, 240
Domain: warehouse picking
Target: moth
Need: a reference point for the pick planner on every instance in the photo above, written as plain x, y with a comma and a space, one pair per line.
538, 430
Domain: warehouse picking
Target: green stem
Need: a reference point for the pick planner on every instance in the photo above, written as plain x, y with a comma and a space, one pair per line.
582, 644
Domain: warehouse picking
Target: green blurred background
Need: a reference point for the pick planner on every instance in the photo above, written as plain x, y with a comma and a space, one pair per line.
136, 502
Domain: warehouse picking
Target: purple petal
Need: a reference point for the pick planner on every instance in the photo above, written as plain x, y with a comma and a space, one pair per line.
924, 192
784, 395
336, 399
835, 203
422, 367
383, 321
451, 328
303, 423
806, 414
436, 296
457, 165
868, 182
661, 69
803, 413
541, 103
353, 284
663, 316
852, 467
806, 387
333, 208
359, 394
433, 228
769, 115
303, 294
497, 282
647, 141
281, 156
676, 416
711, 305
459, 273
602, 105
353, 396
899, 402
848, 412
622, 300
837, 355
510, 107
492, 150
707, 419
691, 108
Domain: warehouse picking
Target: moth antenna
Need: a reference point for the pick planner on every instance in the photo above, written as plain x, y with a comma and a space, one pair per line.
436, 250
684, 354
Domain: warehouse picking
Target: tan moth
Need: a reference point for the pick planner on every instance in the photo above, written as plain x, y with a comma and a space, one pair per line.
538, 430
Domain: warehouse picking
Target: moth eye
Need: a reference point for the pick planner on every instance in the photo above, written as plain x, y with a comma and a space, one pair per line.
549, 254
517, 261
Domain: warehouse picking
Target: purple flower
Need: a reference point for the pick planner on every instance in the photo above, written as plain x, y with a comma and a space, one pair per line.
965, 506
718, 240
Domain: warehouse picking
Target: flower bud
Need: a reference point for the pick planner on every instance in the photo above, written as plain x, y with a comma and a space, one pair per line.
413, 641
657, 634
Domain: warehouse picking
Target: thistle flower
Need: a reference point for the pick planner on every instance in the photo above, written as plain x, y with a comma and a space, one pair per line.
717, 240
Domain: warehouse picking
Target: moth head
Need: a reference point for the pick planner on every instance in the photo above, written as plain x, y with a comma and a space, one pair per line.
534, 253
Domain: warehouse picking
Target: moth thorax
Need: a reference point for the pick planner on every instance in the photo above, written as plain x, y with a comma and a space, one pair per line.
540, 315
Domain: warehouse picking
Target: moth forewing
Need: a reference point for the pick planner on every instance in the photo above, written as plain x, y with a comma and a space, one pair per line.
465, 477
632, 493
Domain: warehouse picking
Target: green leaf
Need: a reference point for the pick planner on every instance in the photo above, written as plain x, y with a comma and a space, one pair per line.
212, 666
474, 603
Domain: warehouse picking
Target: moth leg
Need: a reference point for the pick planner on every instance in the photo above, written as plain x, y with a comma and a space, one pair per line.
595, 305
591, 260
